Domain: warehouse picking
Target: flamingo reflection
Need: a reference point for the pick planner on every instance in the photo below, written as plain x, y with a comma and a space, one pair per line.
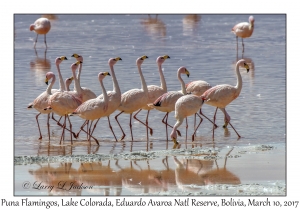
154, 26
190, 24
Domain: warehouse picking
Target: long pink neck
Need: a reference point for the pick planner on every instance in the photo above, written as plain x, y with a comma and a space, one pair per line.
239, 83
162, 78
48, 90
61, 81
76, 83
144, 85
116, 87
105, 97
79, 73
183, 89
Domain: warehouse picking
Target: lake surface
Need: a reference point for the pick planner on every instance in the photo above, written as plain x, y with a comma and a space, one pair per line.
201, 43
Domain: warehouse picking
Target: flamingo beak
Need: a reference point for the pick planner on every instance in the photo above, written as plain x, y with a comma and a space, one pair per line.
46, 81
247, 67
187, 73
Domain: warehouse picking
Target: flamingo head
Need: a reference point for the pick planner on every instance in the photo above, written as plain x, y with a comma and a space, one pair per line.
140, 60
31, 27
102, 75
49, 76
251, 19
77, 57
242, 63
74, 66
58, 60
113, 61
162, 59
183, 70
69, 81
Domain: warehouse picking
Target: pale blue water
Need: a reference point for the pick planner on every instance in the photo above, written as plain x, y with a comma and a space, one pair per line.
203, 44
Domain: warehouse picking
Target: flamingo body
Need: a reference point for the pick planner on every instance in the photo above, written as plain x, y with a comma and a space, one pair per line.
197, 87
40, 26
244, 29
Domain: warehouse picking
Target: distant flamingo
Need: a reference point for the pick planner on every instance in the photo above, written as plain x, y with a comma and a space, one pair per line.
222, 95
155, 91
243, 30
42, 101
166, 102
185, 106
64, 102
40, 26
134, 99
94, 109
114, 96
86, 92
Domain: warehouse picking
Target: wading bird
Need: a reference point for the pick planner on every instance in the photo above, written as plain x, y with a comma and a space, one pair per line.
134, 99
243, 30
222, 95
40, 26
166, 102
94, 109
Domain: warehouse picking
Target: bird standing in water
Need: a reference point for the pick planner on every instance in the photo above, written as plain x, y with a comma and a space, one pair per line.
222, 95
41, 26
243, 30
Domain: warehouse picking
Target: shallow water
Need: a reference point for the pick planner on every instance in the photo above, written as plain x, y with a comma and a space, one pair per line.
201, 43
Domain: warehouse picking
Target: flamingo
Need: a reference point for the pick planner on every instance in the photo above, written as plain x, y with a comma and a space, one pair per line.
65, 102
114, 96
185, 106
42, 101
166, 102
94, 108
155, 91
68, 82
222, 95
243, 30
41, 26
134, 99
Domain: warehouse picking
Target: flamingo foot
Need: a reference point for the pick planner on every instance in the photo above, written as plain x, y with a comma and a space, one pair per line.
175, 145
178, 133
225, 125
122, 138
193, 137
151, 131
75, 135
40, 137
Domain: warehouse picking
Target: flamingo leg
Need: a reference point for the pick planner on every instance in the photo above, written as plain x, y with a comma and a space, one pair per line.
186, 130
193, 137
70, 128
87, 131
36, 40
130, 125
243, 45
48, 125
45, 40
116, 118
214, 122
111, 128
151, 130
147, 125
200, 112
237, 46
195, 122
166, 116
63, 132
227, 121
93, 131
81, 128
37, 120
167, 124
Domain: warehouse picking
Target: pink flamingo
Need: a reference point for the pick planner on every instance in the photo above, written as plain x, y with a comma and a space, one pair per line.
40, 26
94, 108
243, 30
68, 82
134, 99
42, 100
185, 106
222, 95
155, 91
166, 102
65, 102
114, 97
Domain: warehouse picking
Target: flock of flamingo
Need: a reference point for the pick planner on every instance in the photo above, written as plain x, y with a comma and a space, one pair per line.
84, 103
